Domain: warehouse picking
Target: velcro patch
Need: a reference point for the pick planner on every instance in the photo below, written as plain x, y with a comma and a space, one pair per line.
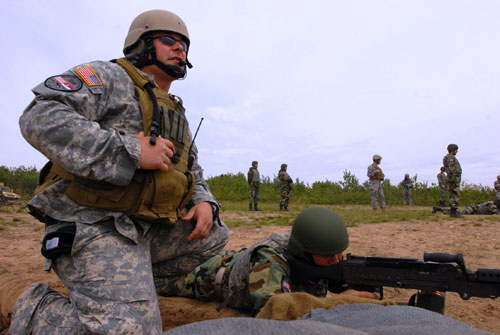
65, 83
88, 75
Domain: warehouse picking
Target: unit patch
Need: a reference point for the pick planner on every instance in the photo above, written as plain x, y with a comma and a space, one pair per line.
64, 83
88, 75
285, 285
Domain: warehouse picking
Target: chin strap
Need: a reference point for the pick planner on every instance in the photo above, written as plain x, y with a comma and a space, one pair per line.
173, 71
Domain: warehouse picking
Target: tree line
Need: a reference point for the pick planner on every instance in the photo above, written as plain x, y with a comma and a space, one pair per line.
234, 187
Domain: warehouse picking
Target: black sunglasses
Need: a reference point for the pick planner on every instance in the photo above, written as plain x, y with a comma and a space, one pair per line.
169, 40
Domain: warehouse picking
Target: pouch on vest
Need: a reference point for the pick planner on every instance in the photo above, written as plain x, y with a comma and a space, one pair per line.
59, 242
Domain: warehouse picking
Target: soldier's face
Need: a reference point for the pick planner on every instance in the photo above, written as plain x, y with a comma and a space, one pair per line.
322, 260
169, 54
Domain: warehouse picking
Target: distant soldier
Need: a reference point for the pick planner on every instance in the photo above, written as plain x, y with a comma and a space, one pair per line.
497, 188
253, 177
443, 187
485, 208
285, 187
454, 173
407, 184
376, 177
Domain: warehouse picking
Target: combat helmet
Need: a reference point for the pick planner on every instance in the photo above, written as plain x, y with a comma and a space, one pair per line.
452, 147
407, 175
283, 166
443, 169
377, 157
139, 47
498, 177
254, 163
319, 231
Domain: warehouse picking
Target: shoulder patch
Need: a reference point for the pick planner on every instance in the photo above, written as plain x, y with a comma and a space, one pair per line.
88, 75
66, 83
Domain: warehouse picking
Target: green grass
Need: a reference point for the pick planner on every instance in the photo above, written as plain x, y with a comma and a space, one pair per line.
6, 210
236, 214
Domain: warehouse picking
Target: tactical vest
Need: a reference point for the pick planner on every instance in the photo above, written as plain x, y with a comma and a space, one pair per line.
151, 195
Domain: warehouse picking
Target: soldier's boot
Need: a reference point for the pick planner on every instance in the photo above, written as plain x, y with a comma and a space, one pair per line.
436, 209
257, 209
455, 214
250, 208
281, 207
285, 208
11, 287
431, 300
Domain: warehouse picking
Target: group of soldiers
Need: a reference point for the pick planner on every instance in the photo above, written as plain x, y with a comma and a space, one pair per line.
449, 179
253, 178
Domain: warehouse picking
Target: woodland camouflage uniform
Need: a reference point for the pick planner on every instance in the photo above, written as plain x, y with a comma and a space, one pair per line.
285, 187
454, 174
257, 273
253, 178
443, 187
485, 208
497, 189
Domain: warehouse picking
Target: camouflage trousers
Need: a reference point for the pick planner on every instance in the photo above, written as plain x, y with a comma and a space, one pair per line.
407, 196
285, 197
254, 192
200, 283
377, 193
112, 281
454, 193
443, 193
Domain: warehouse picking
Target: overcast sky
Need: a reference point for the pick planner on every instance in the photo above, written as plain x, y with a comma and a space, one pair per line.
319, 85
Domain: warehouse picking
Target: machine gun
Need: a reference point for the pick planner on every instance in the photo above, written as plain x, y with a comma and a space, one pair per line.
436, 272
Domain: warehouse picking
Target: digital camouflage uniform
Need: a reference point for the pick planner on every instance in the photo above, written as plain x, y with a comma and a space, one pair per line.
116, 263
443, 188
454, 175
407, 184
285, 188
485, 208
375, 183
253, 177
251, 277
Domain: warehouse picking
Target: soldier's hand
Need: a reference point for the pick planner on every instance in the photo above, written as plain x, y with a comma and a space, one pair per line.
155, 157
202, 214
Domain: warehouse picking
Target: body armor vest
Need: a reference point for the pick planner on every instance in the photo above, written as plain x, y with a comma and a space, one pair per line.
151, 195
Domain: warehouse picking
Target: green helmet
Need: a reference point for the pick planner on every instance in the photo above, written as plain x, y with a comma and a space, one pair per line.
254, 163
319, 231
283, 165
452, 147
443, 169
498, 177
407, 175
377, 157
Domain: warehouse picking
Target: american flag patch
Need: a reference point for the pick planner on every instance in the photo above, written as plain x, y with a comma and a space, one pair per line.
88, 75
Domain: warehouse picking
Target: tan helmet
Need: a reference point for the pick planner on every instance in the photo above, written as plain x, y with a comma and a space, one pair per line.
377, 157
151, 21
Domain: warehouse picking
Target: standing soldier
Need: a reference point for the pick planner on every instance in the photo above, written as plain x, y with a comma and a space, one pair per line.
443, 187
454, 173
376, 177
285, 187
497, 188
253, 177
407, 184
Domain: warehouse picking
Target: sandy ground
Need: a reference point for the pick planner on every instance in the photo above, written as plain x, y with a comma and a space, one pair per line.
20, 253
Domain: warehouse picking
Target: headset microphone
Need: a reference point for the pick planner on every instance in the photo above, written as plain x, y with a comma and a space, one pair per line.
182, 63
